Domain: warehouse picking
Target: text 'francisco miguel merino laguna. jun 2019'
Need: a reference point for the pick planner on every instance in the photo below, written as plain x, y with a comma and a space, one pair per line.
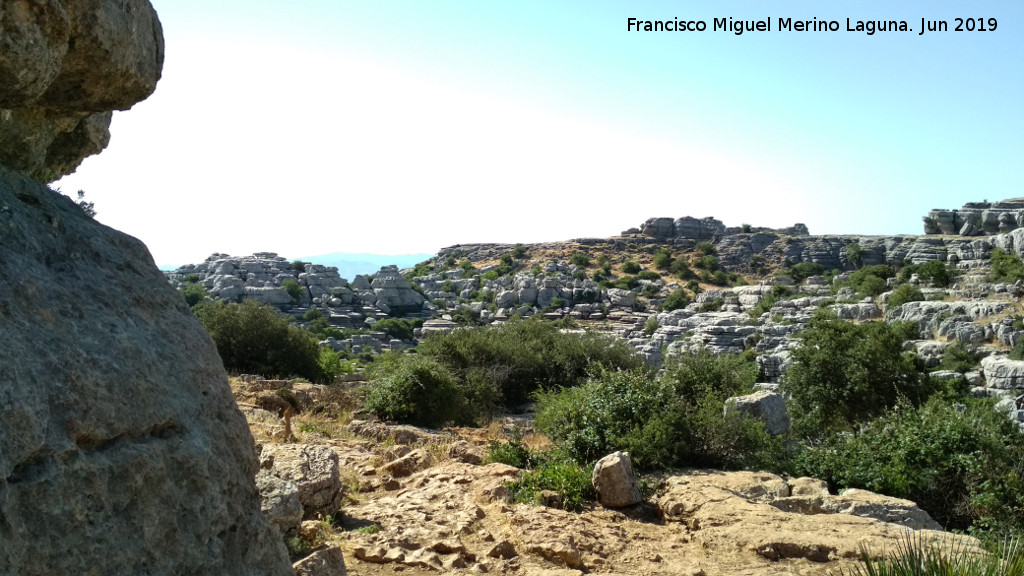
869, 27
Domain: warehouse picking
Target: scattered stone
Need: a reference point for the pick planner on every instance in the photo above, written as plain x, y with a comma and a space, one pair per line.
615, 482
326, 562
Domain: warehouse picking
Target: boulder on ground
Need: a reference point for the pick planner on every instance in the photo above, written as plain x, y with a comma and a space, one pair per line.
313, 468
768, 407
615, 482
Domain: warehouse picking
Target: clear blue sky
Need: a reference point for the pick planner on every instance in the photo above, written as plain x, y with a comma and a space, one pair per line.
404, 126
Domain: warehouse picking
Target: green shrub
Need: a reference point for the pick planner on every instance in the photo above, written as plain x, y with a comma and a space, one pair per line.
960, 357
448, 286
1017, 353
490, 275
521, 356
192, 278
915, 557
854, 254
629, 267
962, 464
519, 252
421, 269
507, 260
559, 473
313, 314
193, 294
254, 338
626, 282
870, 281
662, 259
805, 270
681, 268
905, 293
648, 275
1006, 266
536, 270
651, 325
466, 316
712, 305
579, 259
513, 452
769, 300
845, 373
935, 272
676, 300
707, 262
395, 327
706, 248
674, 420
299, 265
419, 390
294, 290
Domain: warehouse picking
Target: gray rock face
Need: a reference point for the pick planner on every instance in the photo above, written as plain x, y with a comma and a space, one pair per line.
1003, 373
123, 448
767, 407
327, 562
977, 218
280, 502
313, 469
64, 66
615, 482
395, 292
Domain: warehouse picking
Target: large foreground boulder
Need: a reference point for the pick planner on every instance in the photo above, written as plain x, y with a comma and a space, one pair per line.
122, 450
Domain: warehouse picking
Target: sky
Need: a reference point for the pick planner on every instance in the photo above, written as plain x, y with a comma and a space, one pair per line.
403, 126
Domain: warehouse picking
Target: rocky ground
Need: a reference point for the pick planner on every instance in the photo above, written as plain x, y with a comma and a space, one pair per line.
417, 501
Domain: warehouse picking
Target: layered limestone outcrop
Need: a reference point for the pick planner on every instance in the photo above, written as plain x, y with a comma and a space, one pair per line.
977, 218
123, 449
64, 66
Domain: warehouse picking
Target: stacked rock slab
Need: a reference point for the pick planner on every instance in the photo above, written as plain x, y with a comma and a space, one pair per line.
977, 218
64, 66
123, 449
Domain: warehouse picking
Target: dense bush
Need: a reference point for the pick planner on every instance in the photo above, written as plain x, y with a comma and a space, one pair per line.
674, 420
844, 373
707, 262
293, 289
629, 267
500, 364
706, 248
1006, 266
805, 270
395, 327
662, 259
254, 338
556, 472
963, 464
681, 268
854, 254
870, 281
960, 357
648, 275
580, 259
905, 293
419, 390
676, 300
193, 294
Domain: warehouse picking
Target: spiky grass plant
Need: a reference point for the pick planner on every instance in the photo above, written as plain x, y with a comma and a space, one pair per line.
953, 557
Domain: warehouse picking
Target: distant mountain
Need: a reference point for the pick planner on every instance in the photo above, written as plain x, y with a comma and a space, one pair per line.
351, 264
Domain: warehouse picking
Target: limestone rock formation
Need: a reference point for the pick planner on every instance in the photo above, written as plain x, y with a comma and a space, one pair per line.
314, 471
615, 482
767, 407
977, 218
64, 66
123, 448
